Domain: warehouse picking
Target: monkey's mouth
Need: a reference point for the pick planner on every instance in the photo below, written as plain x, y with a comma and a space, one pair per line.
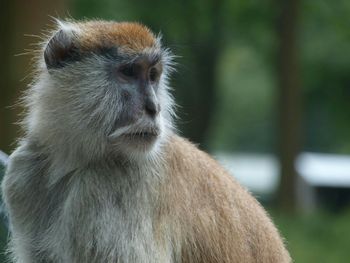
137, 136
147, 135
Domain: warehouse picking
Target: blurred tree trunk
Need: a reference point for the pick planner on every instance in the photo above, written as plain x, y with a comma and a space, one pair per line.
6, 87
289, 106
205, 50
18, 18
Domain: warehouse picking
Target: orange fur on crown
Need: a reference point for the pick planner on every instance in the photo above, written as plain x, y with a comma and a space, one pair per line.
133, 37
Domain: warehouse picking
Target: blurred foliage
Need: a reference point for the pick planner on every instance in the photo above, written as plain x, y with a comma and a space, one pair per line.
246, 104
318, 237
325, 41
3, 242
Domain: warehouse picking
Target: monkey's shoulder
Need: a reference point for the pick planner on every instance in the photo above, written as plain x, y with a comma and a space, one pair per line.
185, 159
220, 212
200, 183
23, 186
25, 161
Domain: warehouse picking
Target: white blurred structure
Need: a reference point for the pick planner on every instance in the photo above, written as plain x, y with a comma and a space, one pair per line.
260, 173
3, 158
328, 170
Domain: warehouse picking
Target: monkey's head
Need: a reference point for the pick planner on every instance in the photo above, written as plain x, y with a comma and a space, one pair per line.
102, 85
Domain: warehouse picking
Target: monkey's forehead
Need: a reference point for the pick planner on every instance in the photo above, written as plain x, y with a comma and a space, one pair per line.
130, 36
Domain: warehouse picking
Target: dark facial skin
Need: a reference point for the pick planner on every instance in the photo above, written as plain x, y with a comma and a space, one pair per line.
137, 79
144, 74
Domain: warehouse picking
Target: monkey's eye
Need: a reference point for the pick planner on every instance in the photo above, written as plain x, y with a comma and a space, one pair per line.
128, 71
153, 74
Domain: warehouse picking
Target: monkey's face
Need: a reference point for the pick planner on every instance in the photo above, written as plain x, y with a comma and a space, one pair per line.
109, 85
140, 121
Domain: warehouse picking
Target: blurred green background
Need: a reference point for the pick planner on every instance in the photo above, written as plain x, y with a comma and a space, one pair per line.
254, 77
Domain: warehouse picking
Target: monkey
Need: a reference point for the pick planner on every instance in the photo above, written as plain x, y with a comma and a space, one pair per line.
101, 175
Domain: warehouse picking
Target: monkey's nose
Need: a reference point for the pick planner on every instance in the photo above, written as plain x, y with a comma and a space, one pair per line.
151, 107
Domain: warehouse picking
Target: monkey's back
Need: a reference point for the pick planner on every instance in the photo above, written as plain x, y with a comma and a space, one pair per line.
215, 219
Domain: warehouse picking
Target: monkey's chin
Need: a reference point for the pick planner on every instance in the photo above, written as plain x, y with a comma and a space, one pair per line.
141, 140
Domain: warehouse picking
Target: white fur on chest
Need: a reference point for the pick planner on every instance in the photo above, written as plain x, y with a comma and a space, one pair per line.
106, 216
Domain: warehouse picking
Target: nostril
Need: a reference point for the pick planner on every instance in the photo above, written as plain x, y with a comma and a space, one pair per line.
151, 108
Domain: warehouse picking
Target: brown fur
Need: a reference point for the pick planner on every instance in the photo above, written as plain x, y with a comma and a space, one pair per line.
211, 215
132, 37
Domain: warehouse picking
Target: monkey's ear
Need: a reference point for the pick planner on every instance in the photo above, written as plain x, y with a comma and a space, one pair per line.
61, 49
